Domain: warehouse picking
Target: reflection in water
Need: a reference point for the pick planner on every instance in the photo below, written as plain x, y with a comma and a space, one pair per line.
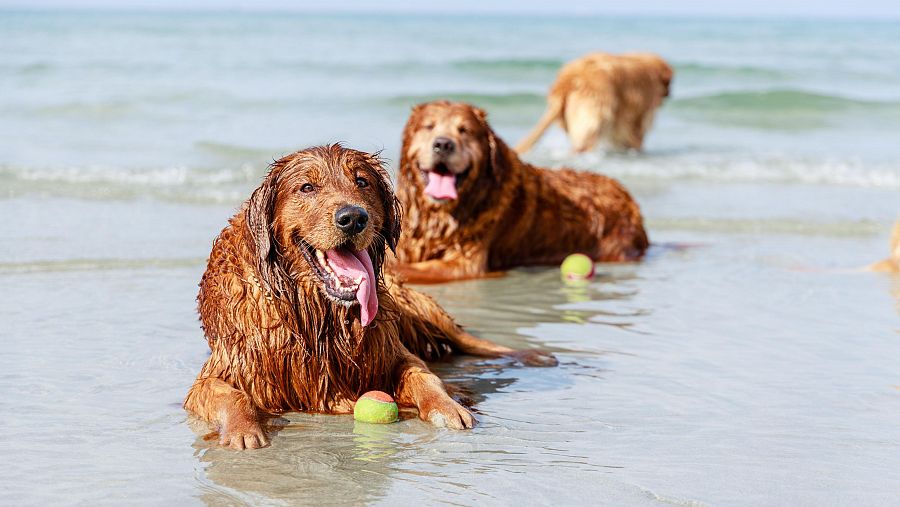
501, 309
316, 458
895, 290
373, 442
313, 458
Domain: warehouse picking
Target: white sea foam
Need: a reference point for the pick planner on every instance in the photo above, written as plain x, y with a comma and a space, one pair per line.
181, 183
850, 172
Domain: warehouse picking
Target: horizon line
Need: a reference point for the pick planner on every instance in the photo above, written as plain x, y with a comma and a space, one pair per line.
150, 9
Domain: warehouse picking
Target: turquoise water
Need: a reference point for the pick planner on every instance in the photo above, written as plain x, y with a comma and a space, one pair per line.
751, 368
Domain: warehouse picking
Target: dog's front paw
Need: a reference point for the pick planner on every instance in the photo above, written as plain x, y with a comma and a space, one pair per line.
534, 357
448, 414
241, 433
249, 438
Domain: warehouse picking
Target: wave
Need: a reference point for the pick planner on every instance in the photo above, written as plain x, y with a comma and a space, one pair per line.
50, 266
783, 100
489, 100
734, 169
545, 68
838, 228
180, 184
231, 185
784, 109
743, 71
233, 151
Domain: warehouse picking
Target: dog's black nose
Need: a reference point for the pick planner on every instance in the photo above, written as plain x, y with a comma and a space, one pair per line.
351, 219
443, 146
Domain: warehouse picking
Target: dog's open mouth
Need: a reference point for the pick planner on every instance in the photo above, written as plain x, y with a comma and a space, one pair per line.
441, 183
347, 277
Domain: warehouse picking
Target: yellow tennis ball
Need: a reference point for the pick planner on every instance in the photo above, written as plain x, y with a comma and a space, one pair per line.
376, 407
577, 267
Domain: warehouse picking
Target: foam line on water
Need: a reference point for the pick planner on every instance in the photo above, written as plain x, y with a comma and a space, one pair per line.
50, 266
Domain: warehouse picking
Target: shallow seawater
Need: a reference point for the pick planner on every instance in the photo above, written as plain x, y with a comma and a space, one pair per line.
744, 362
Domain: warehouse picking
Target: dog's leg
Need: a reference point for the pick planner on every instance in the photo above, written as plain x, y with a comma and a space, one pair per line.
422, 316
472, 345
587, 117
229, 410
439, 271
418, 387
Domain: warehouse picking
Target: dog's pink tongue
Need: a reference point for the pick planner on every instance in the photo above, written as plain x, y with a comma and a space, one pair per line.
354, 265
441, 186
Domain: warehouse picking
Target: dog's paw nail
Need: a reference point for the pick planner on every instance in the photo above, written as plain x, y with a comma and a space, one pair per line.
535, 358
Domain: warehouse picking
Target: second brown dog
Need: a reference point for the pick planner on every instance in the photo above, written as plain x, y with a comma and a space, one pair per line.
472, 206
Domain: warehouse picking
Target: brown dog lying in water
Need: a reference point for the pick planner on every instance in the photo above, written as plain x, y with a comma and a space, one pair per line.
605, 96
472, 206
298, 314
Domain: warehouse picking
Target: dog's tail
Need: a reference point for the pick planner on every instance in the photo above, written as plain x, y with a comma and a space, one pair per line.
553, 112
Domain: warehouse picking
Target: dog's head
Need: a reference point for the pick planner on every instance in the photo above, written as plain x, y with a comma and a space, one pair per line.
450, 152
324, 216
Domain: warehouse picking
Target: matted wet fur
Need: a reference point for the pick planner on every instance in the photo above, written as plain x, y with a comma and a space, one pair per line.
604, 96
284, 322
472, 206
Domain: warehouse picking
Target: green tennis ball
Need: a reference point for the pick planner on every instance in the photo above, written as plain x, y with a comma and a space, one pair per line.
577, 267
376, 407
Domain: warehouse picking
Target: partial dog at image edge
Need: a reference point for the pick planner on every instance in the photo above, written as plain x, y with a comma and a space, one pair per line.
605, 96
892, 263
299, 315
473, 207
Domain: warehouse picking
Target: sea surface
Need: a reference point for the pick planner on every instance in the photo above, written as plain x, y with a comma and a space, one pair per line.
746, 361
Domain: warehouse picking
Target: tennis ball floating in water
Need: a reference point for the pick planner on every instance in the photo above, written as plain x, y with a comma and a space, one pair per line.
375, 407
577, 267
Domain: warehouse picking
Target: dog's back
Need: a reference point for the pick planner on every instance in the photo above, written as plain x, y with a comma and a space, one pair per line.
571, 211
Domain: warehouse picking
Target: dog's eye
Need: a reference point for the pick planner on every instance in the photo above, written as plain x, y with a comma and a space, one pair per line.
428, 126
362, 183
307, 188
463, 130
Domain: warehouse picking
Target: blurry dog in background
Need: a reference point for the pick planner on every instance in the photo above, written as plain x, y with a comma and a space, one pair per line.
892, 263
604, 96
472, 206
299, 316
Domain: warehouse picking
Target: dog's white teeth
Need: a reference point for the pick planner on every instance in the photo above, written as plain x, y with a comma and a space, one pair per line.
323, 260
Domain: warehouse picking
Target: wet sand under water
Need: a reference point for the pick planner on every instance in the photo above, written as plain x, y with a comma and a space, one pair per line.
716, 374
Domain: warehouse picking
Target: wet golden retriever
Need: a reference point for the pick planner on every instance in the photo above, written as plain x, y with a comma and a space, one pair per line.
472, 206
604, 96
298, 313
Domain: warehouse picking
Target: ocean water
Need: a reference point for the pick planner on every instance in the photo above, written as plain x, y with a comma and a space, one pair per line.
750, 366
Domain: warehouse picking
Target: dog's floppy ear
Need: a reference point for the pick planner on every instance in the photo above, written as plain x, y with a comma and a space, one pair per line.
390, 229
260, 213
389, 234
498, 152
